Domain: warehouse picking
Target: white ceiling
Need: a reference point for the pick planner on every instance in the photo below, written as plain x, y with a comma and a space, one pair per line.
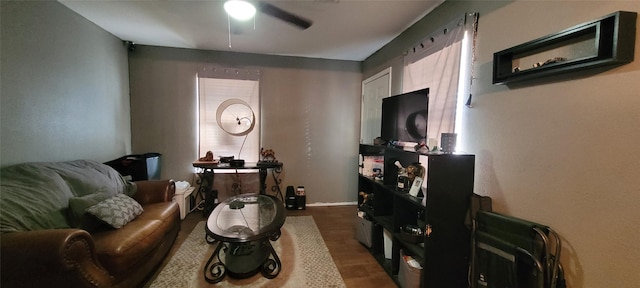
342, 29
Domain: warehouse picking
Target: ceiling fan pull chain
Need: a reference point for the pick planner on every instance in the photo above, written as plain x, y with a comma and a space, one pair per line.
229, 29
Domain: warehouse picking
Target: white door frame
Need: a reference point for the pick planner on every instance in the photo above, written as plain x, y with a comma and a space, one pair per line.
384, 73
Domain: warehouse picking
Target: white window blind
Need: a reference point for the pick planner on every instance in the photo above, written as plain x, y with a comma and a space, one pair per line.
439, 62
215, 85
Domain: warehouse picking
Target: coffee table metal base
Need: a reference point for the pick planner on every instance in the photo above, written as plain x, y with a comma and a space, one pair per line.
242, 260
243, 226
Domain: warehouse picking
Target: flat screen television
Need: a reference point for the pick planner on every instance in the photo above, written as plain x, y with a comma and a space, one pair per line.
404, 116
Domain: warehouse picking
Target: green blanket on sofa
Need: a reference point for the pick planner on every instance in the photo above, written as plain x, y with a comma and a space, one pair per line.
35, 196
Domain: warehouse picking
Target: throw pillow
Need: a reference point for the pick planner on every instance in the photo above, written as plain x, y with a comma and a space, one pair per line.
116, 211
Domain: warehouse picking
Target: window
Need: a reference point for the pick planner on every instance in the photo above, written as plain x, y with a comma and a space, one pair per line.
215, 86
442, 62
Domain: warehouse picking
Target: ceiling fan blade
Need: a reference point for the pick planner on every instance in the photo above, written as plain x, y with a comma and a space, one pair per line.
283, 15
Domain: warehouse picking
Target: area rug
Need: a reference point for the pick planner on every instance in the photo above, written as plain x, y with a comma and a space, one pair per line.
306, 261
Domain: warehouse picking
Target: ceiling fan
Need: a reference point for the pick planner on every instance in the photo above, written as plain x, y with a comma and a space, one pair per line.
245, 10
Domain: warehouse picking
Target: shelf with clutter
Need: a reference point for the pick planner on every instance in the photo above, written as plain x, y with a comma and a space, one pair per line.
608, 41
427, 225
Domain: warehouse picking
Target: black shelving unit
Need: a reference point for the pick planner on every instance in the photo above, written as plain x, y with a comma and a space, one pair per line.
444, 253
607, 41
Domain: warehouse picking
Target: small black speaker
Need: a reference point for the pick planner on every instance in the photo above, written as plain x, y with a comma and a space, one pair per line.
209, 202
290, 198
301, 198
301, 202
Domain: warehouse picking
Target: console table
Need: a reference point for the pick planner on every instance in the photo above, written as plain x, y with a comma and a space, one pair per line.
208, 172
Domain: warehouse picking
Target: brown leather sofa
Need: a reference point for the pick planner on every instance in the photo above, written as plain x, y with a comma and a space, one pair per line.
39, 256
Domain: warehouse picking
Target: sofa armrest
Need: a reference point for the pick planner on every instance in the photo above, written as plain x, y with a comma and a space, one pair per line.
154, 191
51, 258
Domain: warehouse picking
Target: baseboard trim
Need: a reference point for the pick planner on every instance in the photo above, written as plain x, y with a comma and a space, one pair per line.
332, 204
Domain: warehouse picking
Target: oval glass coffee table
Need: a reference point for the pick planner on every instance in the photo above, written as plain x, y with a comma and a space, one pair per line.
244, 225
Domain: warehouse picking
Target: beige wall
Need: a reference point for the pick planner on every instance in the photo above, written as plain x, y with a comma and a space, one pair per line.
65, 86
310, 113
564, 154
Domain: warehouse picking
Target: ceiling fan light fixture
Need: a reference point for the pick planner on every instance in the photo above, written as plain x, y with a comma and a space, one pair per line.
240, 10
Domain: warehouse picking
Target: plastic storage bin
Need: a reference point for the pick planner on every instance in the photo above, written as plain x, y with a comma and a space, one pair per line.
138, 167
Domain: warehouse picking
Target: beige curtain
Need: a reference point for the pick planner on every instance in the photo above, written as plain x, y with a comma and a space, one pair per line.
435, 63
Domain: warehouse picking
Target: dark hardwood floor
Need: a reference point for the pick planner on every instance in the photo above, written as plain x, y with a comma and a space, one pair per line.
336, 224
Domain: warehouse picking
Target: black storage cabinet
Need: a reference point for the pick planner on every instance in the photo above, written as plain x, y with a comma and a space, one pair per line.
138, 166
445, 251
